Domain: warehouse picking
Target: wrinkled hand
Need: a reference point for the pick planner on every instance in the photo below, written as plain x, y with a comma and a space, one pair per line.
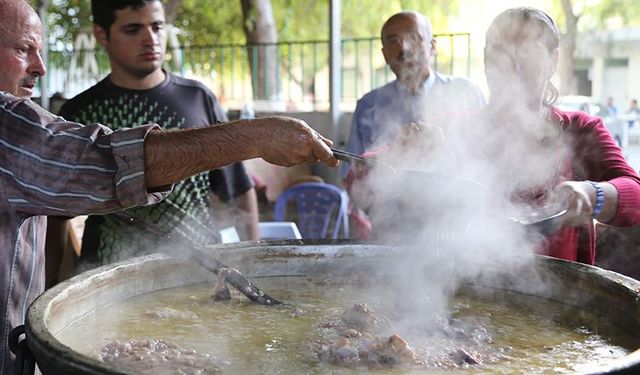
574, 195
420, 146
420, 136
289, 141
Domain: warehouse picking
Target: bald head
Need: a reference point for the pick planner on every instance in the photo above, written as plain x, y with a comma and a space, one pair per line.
20, 45
408, 18
408, 46
12, 11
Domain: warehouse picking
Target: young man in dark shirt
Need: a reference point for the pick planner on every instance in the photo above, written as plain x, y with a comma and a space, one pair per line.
136, 92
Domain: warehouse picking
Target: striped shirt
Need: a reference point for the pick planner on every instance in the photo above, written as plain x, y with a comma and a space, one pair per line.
49, 166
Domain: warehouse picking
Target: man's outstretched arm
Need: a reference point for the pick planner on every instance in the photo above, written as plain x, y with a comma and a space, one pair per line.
171, 156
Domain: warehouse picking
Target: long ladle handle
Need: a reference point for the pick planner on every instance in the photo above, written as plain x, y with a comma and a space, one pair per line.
351, 157
234, 278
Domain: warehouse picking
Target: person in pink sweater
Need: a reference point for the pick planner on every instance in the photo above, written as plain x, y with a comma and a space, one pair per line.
531, 156
576, 162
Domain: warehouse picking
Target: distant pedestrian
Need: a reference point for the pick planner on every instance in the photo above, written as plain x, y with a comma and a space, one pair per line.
616, 125
633, 114
611, 107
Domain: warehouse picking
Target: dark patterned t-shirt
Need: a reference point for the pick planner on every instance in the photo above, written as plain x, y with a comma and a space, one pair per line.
187, 212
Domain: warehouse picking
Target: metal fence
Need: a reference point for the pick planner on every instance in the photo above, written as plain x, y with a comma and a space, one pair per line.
285, 76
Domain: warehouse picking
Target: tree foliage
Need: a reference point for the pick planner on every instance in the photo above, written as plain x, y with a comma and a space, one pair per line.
574, 16
612, 13
206, 22
599, 15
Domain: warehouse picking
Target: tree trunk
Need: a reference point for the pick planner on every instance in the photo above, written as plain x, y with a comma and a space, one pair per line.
170, 10
567, 49
260, 31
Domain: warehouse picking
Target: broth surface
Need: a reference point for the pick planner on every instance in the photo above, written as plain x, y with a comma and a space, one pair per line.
511, 333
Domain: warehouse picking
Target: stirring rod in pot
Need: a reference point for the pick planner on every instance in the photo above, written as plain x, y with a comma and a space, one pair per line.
235, 278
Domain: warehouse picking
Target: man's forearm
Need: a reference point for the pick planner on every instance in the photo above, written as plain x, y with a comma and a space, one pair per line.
171, 156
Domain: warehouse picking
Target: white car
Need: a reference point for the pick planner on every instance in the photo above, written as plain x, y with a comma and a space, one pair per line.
617, 127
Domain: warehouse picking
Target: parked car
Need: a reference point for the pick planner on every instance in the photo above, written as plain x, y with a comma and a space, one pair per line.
618, 128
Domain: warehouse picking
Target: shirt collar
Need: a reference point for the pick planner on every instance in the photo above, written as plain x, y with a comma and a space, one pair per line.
431, 80
425, 87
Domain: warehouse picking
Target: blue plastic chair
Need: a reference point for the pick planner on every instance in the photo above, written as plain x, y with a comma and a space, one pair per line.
318, 206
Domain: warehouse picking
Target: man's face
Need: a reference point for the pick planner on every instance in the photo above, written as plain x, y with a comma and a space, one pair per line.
137, 40
405, 49
20, 45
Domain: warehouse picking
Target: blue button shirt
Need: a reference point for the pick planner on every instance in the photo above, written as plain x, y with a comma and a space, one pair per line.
382, 112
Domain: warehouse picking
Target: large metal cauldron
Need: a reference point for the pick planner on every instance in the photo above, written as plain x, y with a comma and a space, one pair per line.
593, 289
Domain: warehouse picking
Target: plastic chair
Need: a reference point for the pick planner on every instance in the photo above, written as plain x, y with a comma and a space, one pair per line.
317, 205
276, 230
229, 235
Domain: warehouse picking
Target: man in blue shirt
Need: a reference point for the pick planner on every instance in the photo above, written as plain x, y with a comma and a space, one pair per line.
418, 95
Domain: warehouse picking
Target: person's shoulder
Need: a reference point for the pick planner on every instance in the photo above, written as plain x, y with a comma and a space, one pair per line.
23, 110
455, 81
189, 83
577, 120
84, 98
371, 96
9, 102
460, 89
8, 99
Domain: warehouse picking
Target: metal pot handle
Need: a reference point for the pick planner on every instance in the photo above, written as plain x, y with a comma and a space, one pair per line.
25, 362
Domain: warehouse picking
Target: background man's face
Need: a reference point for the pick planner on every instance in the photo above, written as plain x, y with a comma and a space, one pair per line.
137, 39
20, 45
405, 49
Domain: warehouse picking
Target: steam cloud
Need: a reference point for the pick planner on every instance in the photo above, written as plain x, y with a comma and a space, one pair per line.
456, 227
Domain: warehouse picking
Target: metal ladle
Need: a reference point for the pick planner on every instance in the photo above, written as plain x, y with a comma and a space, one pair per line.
427, 176
546, 225
350, 157
234, 278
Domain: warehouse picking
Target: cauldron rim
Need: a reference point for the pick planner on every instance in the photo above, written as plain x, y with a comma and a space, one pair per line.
47, 348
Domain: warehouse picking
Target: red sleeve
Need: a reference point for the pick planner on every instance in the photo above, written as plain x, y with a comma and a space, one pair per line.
598, 158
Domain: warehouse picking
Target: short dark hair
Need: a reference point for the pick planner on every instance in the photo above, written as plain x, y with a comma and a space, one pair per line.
104, 11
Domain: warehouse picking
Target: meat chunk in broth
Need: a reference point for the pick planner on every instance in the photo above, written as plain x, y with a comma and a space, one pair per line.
342, 353
371, 352
461, 357
362, 342
367, 338
389, 352
158, 357
360, 317
220, 289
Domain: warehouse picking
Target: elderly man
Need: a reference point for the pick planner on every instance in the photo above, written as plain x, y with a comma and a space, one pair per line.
418, 95
49, 166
